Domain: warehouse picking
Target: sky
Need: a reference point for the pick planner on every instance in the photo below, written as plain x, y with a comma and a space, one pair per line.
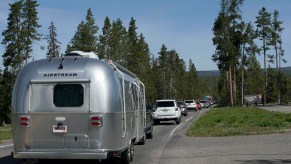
181, 25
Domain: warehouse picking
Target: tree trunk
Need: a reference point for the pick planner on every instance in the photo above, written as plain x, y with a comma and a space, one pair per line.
278, 76
265, 72
234, 87
242, 78
230, 87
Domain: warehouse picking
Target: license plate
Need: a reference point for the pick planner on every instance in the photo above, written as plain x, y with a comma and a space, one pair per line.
60, 129
165, 110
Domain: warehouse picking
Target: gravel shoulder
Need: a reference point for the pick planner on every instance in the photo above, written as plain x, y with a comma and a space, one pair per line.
277, 108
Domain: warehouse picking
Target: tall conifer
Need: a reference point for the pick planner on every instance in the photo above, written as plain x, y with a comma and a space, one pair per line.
53, 48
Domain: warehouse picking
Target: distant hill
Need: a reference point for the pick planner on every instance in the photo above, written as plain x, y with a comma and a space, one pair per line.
215, 73
286, 71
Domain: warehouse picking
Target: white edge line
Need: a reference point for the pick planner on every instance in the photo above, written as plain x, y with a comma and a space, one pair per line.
188, 119
6, 145
175, 129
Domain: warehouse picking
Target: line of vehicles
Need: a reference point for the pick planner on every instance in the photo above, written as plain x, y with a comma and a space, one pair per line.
171, 109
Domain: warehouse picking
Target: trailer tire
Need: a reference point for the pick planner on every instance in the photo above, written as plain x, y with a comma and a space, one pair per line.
150, 135
131, 149
156, 122
125, 156
142, 141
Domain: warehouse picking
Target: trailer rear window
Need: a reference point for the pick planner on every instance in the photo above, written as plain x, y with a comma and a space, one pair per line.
68, 95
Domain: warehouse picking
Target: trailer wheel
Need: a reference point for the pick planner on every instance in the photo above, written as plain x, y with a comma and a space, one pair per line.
150, 135
156, 122
127, 155
142, 141
131, 151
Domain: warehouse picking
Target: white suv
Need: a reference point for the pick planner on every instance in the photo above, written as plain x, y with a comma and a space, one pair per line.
191, 104
167, 110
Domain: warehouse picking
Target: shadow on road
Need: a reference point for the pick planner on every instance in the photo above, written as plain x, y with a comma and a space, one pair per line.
9, 160
276, 161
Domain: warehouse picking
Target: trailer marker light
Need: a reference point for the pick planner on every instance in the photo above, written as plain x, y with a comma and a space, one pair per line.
24, 124
94, 118
24, 118
24, 121
96, 121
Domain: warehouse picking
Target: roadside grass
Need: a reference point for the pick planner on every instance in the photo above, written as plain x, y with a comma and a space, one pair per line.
239, 121
5, 133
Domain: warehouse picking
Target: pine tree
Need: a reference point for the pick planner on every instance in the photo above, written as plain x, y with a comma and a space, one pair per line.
181, 79
7, 81
227, 38
119, 42
53, 48
276, 41
249, 62
85, 38
12, 57
253, 77
144, 72
192, 80
162, 71
104, 40
132, 57
157, 81
13, 38
29, 26
264, 31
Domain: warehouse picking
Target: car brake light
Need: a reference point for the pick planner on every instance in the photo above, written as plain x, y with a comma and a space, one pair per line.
96, 120
24, 121
176, 109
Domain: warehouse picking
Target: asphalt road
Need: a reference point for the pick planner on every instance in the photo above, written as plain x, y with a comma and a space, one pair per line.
171, 146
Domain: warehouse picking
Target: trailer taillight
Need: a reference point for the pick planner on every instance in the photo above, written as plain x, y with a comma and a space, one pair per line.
96, 120
24, 121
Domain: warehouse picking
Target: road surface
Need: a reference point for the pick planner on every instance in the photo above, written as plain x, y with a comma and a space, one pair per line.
170, 145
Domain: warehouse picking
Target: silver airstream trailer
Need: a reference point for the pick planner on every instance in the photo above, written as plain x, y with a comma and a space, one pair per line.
77, 107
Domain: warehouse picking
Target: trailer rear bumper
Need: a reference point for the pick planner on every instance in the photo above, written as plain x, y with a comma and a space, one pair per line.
61, 155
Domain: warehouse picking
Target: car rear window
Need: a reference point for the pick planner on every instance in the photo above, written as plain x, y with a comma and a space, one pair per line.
165, 104
189, 101
68, 95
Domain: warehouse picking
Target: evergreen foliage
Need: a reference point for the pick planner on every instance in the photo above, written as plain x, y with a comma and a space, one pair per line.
21, 32
264, 32
13, 38
104, 40
53, 48
85, 38
29, 27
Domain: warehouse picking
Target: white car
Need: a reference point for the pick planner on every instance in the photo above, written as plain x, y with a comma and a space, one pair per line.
167, 110
191, 104
204, 104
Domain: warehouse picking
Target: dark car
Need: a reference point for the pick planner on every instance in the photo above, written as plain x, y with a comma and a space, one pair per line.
149, 123
183, 107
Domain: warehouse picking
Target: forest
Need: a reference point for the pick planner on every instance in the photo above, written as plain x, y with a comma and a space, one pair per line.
165, 74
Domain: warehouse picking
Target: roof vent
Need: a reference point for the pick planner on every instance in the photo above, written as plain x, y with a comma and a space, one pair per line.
83, 54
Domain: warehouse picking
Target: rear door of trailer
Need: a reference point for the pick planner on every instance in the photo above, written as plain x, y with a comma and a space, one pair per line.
60, 114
